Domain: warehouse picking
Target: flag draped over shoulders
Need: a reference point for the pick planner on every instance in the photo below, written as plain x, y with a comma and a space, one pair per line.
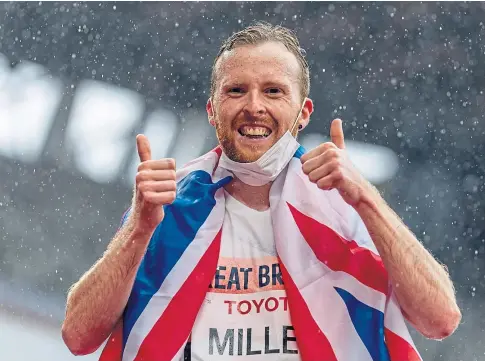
341, 303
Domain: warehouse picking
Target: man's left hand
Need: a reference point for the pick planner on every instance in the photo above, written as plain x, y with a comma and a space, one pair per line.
329, 167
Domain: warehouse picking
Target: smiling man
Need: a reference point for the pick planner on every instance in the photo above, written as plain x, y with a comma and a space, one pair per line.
259, 250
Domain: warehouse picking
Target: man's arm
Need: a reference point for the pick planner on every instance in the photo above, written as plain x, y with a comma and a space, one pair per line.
421, 284
95, 303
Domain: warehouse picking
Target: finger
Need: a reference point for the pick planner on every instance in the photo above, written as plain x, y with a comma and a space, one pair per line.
337, 133
158, 186
158, 164
159, 198
156, 175
316, 151
326, 183
321, 159
322, 171
143, 147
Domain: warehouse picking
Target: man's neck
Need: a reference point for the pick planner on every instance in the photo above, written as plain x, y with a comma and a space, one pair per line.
256, 198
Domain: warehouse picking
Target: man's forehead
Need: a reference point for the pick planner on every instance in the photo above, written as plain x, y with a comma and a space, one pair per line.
269, 59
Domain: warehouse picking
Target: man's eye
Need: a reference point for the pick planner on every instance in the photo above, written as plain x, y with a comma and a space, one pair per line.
235, 90
273, 90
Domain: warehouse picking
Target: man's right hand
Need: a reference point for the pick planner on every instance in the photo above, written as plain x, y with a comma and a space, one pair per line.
155, 187
96, 302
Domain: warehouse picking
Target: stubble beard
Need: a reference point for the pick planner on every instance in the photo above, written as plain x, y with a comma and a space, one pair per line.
228, 145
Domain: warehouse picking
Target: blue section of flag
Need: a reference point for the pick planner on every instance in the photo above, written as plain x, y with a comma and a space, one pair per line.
369, 324
183, 219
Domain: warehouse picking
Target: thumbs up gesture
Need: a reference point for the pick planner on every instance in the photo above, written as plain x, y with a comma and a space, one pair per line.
154, 187
329, 167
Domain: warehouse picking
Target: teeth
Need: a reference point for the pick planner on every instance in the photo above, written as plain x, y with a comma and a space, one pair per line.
261, 131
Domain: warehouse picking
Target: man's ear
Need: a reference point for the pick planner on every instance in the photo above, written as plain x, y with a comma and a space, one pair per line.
306, 112
210, 112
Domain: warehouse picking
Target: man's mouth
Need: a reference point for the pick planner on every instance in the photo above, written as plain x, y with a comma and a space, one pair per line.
254, 132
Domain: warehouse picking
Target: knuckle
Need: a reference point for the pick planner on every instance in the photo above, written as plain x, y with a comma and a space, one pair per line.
323, 184
336, 163
142, 186
149, 198
141, 175
172, 185
313, 177
142, 166
171, 163
321, 158
316, 151
171, 197
337, 174
332, 152
172, 175
138, 177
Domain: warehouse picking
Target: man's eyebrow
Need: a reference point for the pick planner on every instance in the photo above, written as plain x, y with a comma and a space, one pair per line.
276, 83
232, 83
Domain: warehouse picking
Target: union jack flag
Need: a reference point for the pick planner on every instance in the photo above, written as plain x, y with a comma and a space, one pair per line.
341, 303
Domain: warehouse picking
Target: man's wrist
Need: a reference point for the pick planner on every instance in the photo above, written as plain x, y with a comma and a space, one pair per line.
370, 199
140, 233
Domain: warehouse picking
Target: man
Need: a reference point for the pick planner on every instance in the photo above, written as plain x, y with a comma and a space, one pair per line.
259, 252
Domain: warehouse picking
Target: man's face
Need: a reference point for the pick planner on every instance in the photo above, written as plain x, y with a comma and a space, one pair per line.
256, 100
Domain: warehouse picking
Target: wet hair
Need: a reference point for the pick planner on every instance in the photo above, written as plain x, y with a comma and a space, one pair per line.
262, 32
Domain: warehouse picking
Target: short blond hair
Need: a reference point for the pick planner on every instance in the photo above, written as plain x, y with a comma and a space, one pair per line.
262, 32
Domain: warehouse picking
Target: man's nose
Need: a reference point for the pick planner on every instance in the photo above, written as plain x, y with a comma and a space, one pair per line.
254, 106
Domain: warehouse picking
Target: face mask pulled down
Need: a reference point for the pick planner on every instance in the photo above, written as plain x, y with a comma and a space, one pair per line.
269, 165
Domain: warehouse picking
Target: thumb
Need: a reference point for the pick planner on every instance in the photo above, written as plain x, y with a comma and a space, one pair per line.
337, 134
143, 147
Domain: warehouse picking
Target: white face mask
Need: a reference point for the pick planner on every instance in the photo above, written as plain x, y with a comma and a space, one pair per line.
270, 164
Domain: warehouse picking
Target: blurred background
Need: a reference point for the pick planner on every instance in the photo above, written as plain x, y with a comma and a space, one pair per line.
78, 81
